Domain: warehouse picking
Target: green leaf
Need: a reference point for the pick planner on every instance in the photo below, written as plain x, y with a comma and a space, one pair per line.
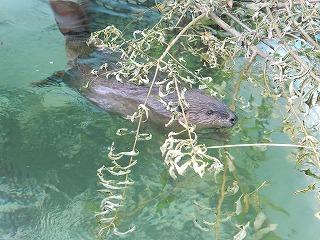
309, 173
164, 176
165, 203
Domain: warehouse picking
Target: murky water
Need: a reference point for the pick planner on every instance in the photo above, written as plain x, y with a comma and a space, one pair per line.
52, 142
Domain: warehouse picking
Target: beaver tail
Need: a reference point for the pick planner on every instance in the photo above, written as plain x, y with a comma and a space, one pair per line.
70, 17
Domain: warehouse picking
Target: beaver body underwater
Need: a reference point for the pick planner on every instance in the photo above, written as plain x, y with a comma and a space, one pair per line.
203, 110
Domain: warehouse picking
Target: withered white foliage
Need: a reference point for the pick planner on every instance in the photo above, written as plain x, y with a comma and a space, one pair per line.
114, 199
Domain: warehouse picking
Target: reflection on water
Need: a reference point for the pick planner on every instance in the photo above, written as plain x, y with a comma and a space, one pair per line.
52, 141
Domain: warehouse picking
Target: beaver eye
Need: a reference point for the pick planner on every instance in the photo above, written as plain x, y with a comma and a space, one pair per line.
209, 112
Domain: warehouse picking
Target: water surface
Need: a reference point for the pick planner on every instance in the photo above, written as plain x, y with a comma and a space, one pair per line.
52, 142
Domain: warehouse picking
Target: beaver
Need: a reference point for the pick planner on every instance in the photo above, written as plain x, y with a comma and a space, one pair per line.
203, 110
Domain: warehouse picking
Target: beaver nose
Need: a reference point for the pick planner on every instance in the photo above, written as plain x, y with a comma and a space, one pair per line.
232, 118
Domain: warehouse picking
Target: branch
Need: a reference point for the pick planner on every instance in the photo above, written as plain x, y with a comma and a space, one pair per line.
288, 48
236, 34
262, 145
254, 48
237, 85
302, 31
237, 20
221, 199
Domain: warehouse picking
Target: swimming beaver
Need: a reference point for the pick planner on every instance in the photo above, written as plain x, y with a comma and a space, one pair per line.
204, 111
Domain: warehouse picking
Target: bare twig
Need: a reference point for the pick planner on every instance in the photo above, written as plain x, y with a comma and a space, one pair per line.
263, 145
221, 199
237, 86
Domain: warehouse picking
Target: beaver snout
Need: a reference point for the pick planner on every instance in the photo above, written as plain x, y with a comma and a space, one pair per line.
232, 118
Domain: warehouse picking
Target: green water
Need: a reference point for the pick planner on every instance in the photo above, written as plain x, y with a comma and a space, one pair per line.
52, 142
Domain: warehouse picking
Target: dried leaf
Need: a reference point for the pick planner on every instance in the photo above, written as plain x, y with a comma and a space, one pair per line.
200, 169
259, 220
119, 173
181, 169
144, 137
308, 189
143, 107
234, 189
171, 172
104, 220
242, 233
239, 206
117, 156
118, 233
199, 226
122, 131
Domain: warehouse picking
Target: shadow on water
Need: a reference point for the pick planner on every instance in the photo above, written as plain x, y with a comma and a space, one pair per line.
52, 141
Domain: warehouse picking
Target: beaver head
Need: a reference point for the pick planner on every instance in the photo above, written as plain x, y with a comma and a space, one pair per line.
208, 111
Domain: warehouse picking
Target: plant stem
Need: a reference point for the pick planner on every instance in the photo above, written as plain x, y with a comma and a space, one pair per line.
222, 193
263, 145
